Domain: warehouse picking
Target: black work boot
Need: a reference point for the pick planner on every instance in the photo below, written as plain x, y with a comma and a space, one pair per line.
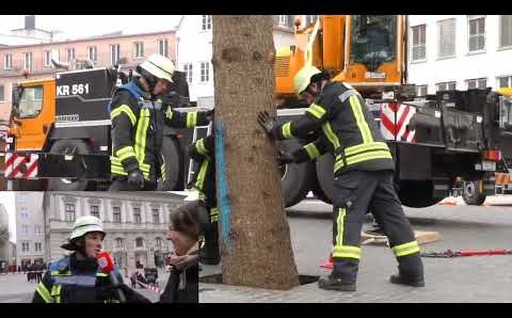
407, 280
209, 254
332, 282
410, 271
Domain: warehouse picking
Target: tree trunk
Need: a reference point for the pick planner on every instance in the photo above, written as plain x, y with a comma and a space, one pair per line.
255, 238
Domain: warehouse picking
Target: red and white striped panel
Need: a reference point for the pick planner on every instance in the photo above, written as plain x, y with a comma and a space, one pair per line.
20, 166
394, 119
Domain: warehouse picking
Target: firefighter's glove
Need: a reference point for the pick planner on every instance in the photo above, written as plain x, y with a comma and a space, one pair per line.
210, 113
268, 123
284, 158
135, 177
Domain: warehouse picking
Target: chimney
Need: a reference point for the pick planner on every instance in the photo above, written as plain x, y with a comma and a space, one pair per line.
30, 22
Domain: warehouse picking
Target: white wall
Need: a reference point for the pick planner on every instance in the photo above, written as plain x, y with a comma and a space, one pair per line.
491, 63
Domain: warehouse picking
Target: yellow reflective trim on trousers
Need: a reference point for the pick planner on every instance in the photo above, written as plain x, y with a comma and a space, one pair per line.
125, 153
362, 157
44, 293
347, 251
331, 136
56, 290
406, 249
340, 222
164, 172
191, 119
312, 150
202, 174
378, 145
286, 130
124, 109
140, 138
214, 215
357, 109
316, 110
200, 147
114, 161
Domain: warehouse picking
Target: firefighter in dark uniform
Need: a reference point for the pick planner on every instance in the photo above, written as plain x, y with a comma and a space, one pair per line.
77, 278
363, 173
203, 153
138, 115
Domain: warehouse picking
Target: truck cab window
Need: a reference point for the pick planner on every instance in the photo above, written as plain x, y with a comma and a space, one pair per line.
373, 39
31, 102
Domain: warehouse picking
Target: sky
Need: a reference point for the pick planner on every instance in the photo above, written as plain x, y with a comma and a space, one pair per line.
8, 200
78, 26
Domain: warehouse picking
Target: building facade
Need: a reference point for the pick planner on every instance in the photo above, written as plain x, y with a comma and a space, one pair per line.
4, 237
29, 228
459, 52
135, 222
194, 52
103, 51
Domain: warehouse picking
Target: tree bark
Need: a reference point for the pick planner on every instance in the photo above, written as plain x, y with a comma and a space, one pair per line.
254, 234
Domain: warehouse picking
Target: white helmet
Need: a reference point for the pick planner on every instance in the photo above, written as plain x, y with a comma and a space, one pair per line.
303, 77
159, 66
86, 224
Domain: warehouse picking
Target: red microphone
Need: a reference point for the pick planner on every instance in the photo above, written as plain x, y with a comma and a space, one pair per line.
106, 265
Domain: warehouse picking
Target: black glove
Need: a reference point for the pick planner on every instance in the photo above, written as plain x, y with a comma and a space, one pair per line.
135, 177
268, 123
284, 157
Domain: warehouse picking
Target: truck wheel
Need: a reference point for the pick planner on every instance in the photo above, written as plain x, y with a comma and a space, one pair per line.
417, 194
296, 179
76, 146
173, 165
324, 189
471, 193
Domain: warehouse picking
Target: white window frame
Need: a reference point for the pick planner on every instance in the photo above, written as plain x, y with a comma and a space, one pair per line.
47, 58
142, 240
24, 229
27, 61
70, 54
419, 45
508, 78
205, 72
442, 37
470, 36
188, 69
157, 214
281, 20
138, 50
119, 243
92, 53
475, 83
8, 62
115, 211
445, 86
420, 88
2, 93
38, 244
68, 210
310, 18
23, 245
501, 28
115, 53
163, 47
206, 22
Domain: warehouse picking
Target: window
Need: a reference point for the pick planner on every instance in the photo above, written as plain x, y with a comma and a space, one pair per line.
159, 244
480, 83
311, 19
187, 68
418, 42
95, 211
138, 50
205, 72
446, 86
92, 53
38, 230
137, 218
282, 20
69, 210
31, 102
163, 46
505, 81
476, 33
70, 55
446, 36
421, 90
206, 22
7, 61
114, 53
505, 30
2, 94
119, 243
47, 58
116, 212
24, 213
37, 246
27, 61
25, 248
24, 229
139, 242
156, 216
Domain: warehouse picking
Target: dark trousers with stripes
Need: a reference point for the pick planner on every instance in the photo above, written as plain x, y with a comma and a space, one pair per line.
357, 192
121, 184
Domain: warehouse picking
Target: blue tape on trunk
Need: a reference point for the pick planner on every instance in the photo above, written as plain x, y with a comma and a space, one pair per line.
222, 185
